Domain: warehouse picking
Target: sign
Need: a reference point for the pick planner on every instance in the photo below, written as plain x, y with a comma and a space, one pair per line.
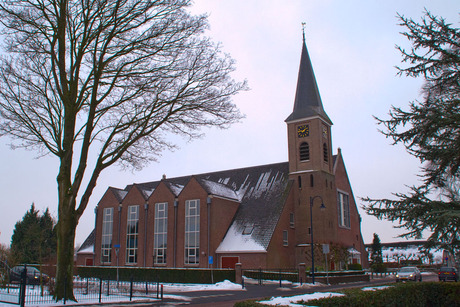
210, 260
325, 248
117, 246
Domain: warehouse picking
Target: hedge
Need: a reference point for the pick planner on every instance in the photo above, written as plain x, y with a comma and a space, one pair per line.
164, 275
408, 294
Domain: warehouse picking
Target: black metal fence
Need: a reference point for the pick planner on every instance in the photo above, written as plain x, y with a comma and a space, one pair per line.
93, 290
272, 275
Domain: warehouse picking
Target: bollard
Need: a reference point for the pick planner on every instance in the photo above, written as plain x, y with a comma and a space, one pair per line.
242, 283
161, 292
108, 287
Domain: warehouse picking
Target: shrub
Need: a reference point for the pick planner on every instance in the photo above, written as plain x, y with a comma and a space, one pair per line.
355, 267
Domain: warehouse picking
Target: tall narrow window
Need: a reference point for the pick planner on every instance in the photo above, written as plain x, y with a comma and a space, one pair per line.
132, 234
344, 210
192, 231
106, 238
325, 153
285, 238
291, 220
160, 236
304, 151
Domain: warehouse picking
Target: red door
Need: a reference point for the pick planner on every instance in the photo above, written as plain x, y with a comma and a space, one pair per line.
229, 262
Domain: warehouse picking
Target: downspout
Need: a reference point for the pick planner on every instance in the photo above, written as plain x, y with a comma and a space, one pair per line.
176, 203
120, 206
208, 202
95, 234
146, 211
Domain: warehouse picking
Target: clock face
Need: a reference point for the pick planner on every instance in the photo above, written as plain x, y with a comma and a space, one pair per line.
324, 132
303, 131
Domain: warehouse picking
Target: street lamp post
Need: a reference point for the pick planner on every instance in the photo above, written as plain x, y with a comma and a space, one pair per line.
312, 198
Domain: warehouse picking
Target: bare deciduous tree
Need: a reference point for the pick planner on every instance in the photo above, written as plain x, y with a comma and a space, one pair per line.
108, 79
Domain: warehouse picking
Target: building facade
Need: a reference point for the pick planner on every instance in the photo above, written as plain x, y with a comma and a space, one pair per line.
261, 216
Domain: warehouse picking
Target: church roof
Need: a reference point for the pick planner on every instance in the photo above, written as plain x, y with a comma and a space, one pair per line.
307, 101
260, 190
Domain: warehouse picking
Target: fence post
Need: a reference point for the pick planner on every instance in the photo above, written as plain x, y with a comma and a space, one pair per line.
108, 287
87, 285
158, 287
238, 273
161, 292
100, 289
302, 273
131, 288
146, 287
280, 280
260, 276
22, 290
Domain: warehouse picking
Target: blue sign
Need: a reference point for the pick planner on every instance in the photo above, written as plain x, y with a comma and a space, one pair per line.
210, 260
117, 246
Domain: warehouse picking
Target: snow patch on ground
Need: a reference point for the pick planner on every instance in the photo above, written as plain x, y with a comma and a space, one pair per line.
292, 300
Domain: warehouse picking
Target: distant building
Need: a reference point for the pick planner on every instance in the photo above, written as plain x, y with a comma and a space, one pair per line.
409, 251
258, 216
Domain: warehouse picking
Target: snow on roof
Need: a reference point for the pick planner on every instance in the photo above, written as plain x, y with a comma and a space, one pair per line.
87, 249
219, 189
236, 241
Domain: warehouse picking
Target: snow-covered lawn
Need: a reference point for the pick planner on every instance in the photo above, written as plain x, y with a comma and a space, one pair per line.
167, 288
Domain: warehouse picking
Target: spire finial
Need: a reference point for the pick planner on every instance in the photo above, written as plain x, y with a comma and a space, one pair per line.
303, 30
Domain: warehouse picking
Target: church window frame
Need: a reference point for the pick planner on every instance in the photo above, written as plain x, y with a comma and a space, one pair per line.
160, 234
192, 232
304, 151
285, 238
325, 153
343, 206
106, 237
132, 234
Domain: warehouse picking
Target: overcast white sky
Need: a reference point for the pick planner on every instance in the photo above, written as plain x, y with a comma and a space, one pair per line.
352, 48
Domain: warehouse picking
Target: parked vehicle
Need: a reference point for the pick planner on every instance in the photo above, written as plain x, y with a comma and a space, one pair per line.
448, 273
33, 275
408, 273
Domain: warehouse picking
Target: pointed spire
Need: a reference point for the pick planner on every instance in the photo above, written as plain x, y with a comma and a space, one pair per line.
307, 101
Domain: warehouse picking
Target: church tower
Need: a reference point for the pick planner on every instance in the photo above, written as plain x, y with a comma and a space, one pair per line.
309, 127
311, 162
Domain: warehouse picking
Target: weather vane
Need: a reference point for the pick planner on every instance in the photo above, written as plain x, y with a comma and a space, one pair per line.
303, 29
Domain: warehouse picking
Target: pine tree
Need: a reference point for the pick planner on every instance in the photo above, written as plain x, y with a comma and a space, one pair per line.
34, 237
430, 131
376, 255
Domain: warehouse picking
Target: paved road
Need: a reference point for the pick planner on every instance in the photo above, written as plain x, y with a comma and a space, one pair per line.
226, 298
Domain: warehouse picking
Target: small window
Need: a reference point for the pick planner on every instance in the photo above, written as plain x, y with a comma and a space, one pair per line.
325, 153
291, 220
285, 238
312, 184
299, 179
248, 229
304, 151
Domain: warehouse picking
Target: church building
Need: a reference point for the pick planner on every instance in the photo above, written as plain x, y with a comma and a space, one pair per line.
263, 216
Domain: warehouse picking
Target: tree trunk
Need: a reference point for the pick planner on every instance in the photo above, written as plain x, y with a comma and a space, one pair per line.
65, 251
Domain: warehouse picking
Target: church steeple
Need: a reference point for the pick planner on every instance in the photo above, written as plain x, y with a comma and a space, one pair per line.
307, 101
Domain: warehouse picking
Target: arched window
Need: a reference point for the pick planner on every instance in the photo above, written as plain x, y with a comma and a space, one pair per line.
304, 151
325, 153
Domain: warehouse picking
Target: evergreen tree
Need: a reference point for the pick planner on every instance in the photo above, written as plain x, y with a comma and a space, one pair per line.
34, 237
376, 255
430, 130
